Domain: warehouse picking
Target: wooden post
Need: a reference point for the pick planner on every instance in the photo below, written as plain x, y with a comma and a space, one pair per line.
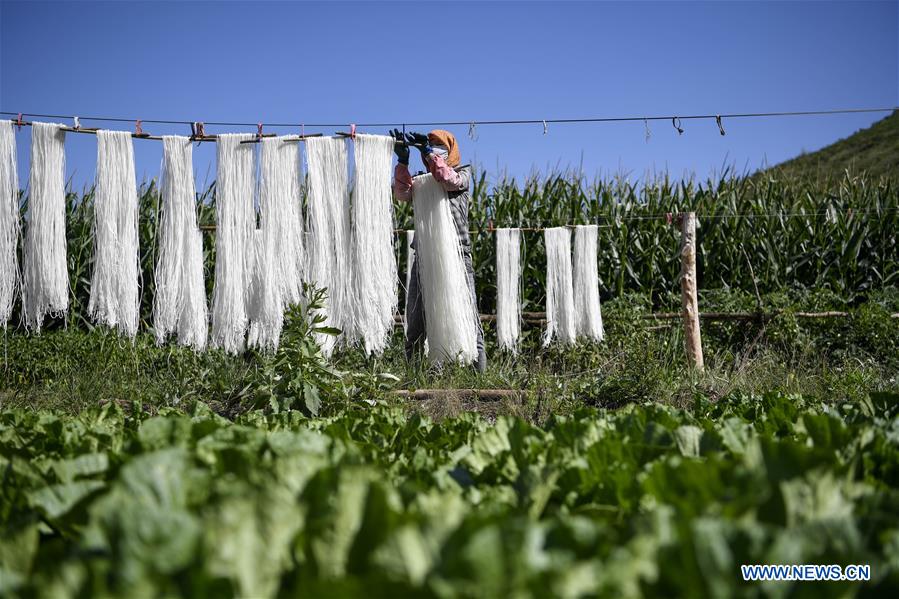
690, 303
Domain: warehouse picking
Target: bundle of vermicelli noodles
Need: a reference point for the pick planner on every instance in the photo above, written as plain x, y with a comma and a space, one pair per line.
180, 300
374, 264
560, 318
114, 298
278, 246
193, 325
44, 253
266, 307
9, 221
508, 273
451, 320
328, 219
281, 212
235, 220
588, 317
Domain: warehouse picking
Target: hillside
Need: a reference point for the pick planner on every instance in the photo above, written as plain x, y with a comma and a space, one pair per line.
874, 150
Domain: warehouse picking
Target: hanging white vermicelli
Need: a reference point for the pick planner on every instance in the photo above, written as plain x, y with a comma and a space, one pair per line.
193, 324
266, 307
560, 318
451, 320
171, 236
179, 303
114, 296
129, 251
508, 274
9, 221
281, 212
588, 315
278, 244
44, 252
235, 222
374, 267
328, 219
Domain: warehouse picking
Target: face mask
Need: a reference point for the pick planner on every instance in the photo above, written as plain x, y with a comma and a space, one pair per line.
441, 151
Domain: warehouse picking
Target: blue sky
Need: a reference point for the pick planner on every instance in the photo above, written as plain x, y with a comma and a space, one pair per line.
423, 61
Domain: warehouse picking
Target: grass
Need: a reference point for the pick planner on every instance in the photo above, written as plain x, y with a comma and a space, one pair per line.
874, 151
70, 370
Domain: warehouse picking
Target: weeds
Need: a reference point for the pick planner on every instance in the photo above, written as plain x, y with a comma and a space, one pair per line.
839, 359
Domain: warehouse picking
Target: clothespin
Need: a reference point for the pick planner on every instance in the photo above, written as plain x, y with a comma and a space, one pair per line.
544, 127
137, 128
472, 131
77, 124
19, 122
676, 122
849, 213
718, 121
646, 128
668, 218
353, 131
197, 132
490, 225
258, 131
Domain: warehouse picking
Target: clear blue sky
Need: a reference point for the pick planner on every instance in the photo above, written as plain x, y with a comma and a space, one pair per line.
373, 61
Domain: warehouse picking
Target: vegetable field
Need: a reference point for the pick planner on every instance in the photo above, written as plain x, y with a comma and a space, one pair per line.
646, 500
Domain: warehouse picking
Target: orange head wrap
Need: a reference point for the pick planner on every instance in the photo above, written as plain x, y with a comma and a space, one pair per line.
439, 137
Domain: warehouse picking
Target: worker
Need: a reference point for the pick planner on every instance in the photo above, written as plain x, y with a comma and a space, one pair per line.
440, 156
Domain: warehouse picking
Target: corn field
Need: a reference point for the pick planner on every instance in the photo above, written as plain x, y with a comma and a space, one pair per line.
773, 234
770, 233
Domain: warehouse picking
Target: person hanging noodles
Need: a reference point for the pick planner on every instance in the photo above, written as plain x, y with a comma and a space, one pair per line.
440, 156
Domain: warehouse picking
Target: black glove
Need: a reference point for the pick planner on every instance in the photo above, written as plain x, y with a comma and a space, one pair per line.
420, 141
400, 148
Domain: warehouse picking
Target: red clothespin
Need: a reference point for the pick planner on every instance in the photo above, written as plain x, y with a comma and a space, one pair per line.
352, 130
259, 131
668, 218
137, 128
490, 225
19, 122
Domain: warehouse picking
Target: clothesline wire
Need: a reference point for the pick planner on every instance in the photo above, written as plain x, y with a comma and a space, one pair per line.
472, 122
544, 122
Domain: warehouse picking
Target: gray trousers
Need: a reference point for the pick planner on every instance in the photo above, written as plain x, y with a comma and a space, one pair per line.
415, 312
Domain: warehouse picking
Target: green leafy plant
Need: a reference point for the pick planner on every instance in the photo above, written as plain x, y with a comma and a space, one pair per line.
298, 374
647, 500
